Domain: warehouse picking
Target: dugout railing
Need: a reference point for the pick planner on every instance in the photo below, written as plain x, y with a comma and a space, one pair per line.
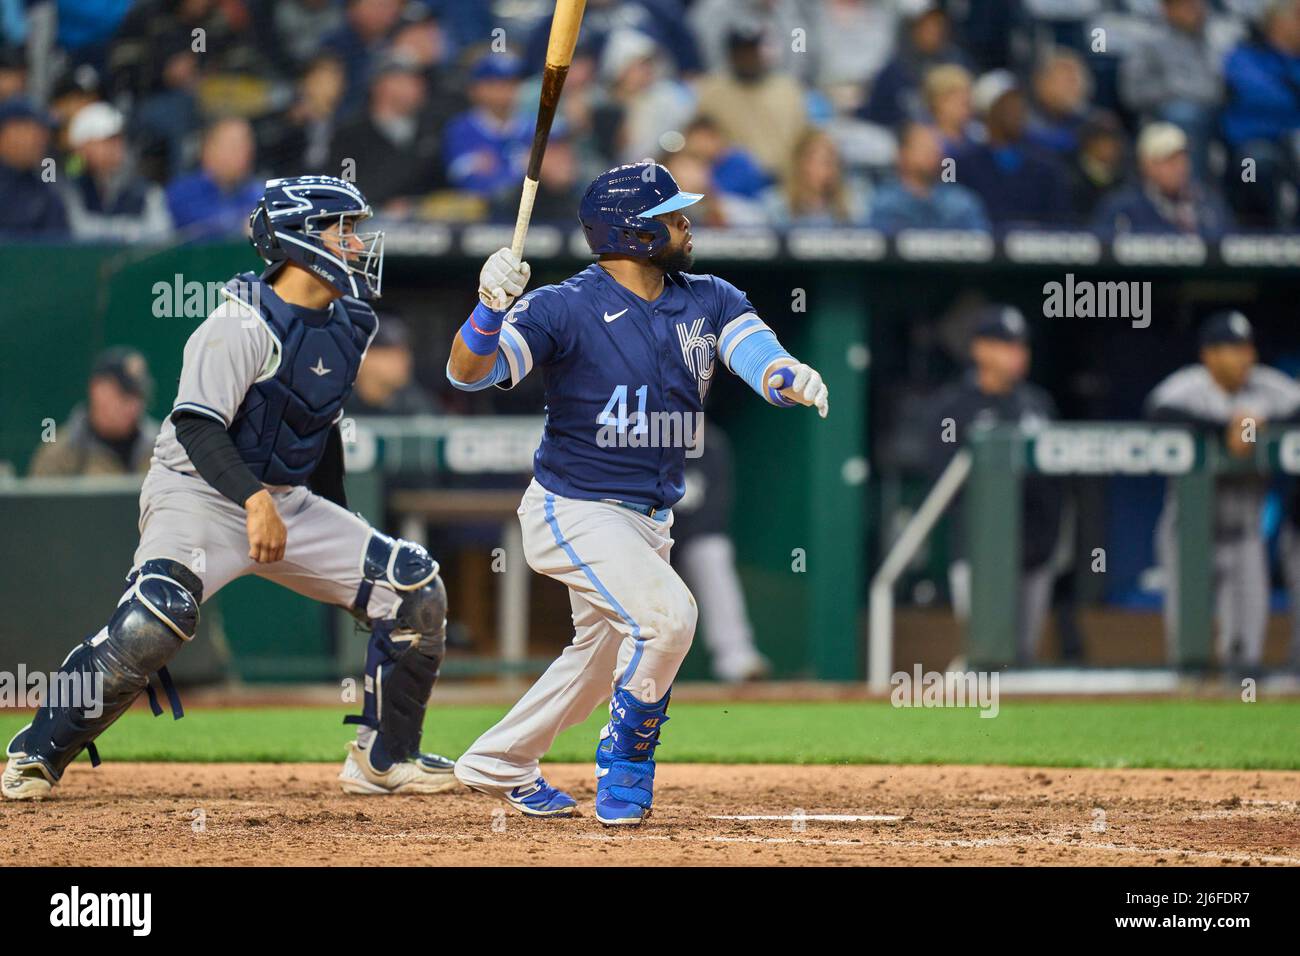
989, 476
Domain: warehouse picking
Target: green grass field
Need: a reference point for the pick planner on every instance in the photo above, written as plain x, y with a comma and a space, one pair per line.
1151, 733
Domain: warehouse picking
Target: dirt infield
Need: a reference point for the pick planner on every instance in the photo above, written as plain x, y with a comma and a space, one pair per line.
293, 814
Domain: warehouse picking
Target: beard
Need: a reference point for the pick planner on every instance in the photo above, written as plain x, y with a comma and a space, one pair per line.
673, 259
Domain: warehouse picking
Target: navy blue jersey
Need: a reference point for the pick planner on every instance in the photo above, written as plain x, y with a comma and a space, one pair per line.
625, 379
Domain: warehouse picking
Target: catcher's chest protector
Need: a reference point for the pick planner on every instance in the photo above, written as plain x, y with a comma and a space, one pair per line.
281, 426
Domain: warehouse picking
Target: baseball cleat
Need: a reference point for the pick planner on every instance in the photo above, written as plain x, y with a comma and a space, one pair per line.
540, 799
25, 778
427, 773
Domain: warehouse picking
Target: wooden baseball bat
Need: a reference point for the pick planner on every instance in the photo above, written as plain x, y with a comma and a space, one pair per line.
559, 54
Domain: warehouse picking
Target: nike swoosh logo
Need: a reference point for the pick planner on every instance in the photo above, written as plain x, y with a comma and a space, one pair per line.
611, 318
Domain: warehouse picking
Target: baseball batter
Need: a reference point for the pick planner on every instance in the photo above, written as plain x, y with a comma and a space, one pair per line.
247, 478
627, 349
1217, 395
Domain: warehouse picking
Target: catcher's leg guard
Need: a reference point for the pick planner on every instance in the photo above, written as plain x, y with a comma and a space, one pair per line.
625, 764
158, 613
405, 650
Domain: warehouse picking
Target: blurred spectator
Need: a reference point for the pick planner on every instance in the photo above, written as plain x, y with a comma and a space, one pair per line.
664, 21
926, 42
718, 209
392, 148
816, 192
1262, 117
559, 189
86, 26
1062, 87
1019, 183
107, 200
154, 43
108, 434
1168, 199
918, 198
298, 140
486, 147
645, 102
301, 27
152, 62
774, 21
947, 92
215, 201
13, 72
360, 42
1175, 75
732, 169
30, 207
856, 41
384, 383
759, 110
74, 90
1099, 165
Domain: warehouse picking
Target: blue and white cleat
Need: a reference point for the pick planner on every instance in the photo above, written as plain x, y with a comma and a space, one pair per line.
625, 766
540, 799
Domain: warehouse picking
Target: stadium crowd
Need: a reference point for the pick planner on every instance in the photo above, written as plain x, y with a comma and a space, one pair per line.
149, 119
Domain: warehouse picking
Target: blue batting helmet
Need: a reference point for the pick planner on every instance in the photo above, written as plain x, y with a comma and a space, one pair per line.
288, 226
618, 209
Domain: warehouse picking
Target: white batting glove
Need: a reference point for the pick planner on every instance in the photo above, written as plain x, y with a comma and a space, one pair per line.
502, 279
803, 384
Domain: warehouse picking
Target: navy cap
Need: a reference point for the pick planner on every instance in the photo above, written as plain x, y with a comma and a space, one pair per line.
496, 66
1002, 322
19, 108
127, 367
1227, 328
392, 333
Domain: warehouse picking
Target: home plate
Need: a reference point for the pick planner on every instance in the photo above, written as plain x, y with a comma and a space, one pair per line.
820, 817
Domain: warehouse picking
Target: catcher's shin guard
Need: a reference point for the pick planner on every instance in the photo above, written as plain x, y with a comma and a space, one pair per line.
405, 650
158, 613
625, 764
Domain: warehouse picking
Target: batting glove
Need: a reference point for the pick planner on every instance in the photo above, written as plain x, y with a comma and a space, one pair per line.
503, 277
803, 384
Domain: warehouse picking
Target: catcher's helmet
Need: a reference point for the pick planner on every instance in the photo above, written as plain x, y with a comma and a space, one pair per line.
618, 209
288, 223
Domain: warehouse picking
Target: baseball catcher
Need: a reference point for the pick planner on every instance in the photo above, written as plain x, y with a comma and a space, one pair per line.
247, 478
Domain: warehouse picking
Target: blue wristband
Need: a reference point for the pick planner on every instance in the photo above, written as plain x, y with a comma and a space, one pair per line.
482, 329
774, 394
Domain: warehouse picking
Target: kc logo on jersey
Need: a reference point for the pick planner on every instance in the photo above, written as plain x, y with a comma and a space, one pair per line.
698, 352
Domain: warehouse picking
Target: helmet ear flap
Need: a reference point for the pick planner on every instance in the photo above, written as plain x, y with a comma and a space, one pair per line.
264, 239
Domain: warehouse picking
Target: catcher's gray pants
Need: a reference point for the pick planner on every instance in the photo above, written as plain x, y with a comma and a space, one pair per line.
184, 518
1240, 593
633, 621
708, 563
1035, 601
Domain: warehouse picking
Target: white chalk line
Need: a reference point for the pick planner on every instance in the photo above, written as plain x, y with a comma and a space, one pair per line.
818, 817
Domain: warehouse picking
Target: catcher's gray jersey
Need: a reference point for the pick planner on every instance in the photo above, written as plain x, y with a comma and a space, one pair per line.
228, 353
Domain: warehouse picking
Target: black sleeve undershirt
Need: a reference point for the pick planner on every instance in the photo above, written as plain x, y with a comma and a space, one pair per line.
214, 456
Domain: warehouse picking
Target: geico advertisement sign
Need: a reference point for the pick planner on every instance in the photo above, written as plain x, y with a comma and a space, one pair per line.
1124, 451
